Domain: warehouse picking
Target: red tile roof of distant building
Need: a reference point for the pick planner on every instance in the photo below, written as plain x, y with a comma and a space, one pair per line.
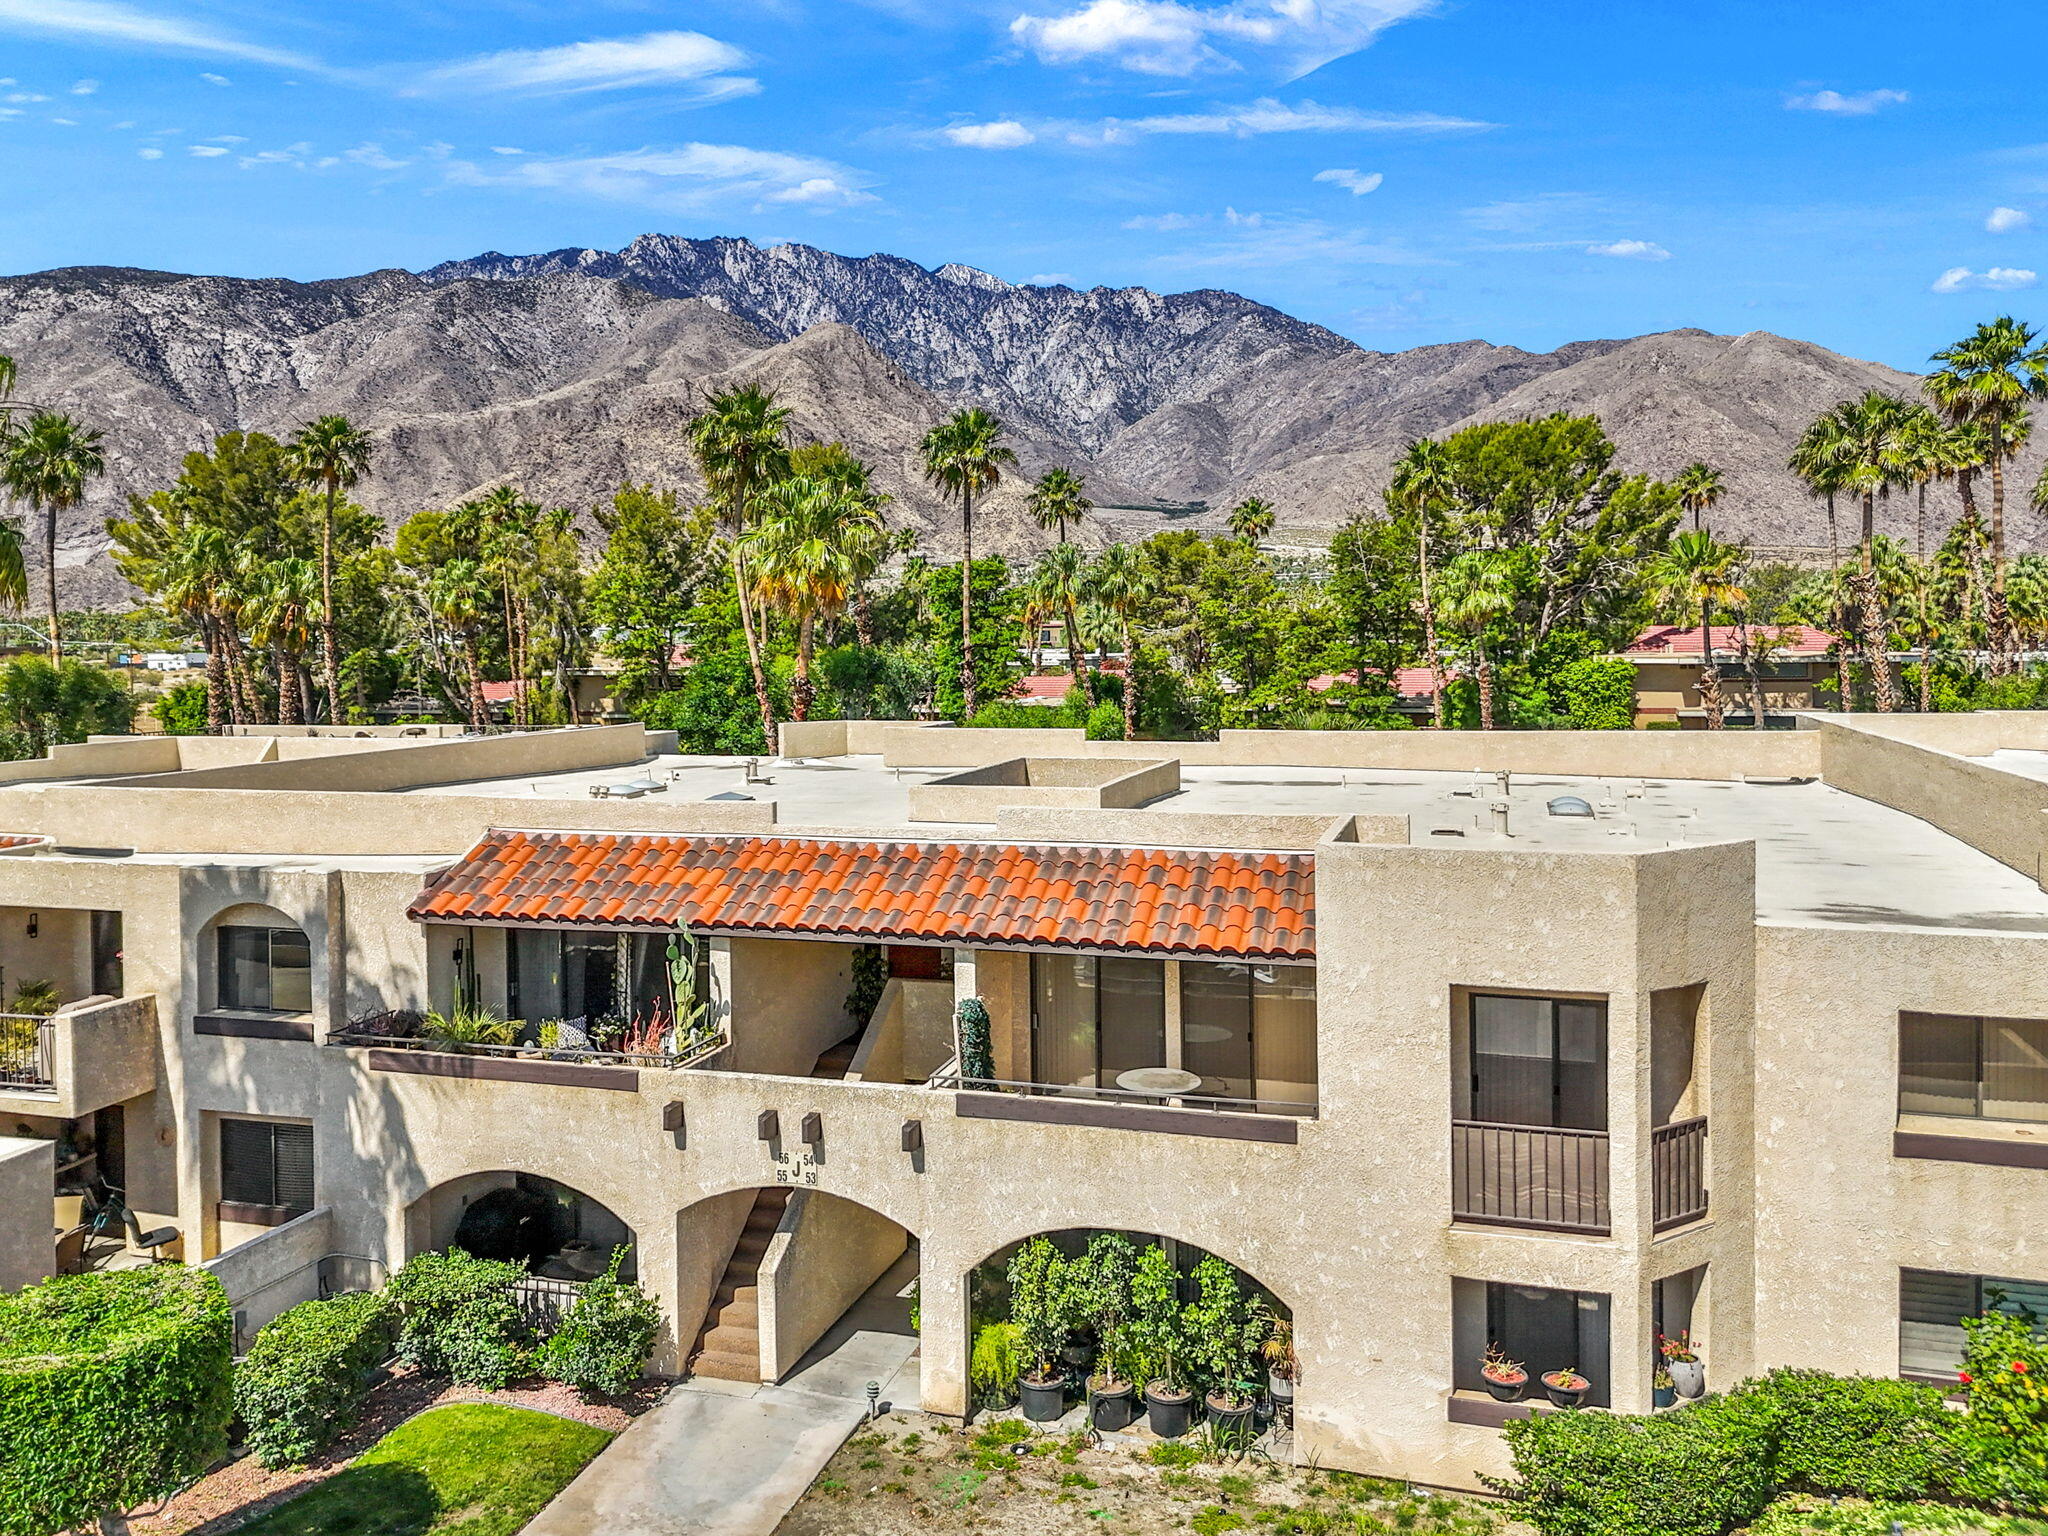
1683, 642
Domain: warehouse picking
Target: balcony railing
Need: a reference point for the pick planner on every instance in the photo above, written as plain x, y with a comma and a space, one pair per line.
1678, 1172
1529, 1176
399, 1031
27, 1051
949, 1077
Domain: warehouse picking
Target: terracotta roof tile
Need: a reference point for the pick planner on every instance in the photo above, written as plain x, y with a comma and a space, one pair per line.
1148, 900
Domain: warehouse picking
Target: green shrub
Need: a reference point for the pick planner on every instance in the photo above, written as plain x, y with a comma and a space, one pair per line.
2003, 1440
1862, 1435
1596, 693
1038, 1303
181, 709
994, 1362
1694, 1472
459, 1317
977, 1056
115, 1390
606, 1337
304, 1379
1106, 722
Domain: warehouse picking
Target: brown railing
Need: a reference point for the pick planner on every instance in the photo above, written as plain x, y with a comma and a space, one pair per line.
1529, 1176
1678, 1172
27, 1051
543, 1301
949, 1077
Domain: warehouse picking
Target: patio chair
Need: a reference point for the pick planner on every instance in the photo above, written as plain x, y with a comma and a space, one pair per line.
71, 1250
154, 1239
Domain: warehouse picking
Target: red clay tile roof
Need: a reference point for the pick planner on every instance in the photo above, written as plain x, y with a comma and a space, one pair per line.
1257, 905
1684, 642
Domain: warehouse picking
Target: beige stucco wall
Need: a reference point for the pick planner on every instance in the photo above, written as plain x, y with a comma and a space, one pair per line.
347, 764
788, 1003
1999, 813
822, 1259
982, 794
274, 1269
106, 1053
27, 1249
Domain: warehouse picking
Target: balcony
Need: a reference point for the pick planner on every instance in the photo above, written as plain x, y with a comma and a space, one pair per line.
1678, 1172
83, 1058
1529, 1176
399, 1042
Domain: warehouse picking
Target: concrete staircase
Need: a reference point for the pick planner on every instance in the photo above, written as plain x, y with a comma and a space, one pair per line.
837, 1060
729, 1344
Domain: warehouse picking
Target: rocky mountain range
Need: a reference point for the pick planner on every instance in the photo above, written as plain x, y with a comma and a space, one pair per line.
570, 371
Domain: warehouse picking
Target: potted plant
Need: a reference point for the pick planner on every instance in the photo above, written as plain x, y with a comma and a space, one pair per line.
1661, 1393
1157, 1340
1567, 1388
1504, 1378
1688, 1375
1224, 1331
1282, 1365
1037, 1277
1101, 1289
993, 1364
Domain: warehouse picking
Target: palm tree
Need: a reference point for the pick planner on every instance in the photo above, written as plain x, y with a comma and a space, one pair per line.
807, 555
458, 596
331, 453
1058, 500
1988, 378
1697, 573
1062, 573
1875, 446
1479, 588
1122, 583
1424, 484
1251, 520
1817, 459
741, 443
1699, 487
47, 465
835, 464
964, 456
282, 594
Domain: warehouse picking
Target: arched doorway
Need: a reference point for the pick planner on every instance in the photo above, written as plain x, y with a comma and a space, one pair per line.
772, 1281
564, 1237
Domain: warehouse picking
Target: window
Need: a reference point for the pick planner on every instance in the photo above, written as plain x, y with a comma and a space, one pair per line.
1960, 1064
1932, 1306
1545, 1329
551, 974
266, 1169
1249, 1031
1536, 1061
266, 970
1094, 1017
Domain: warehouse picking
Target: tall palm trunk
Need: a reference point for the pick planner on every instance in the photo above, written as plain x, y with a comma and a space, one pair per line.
863, 617
473, 664
1436, 669
1130, 684
1073, 625
1756, 676
50, 578
739, 581
967, 690
800, 690
1997, 617
1710, 678
1870, 613
1485, 689
330, 649
216, 676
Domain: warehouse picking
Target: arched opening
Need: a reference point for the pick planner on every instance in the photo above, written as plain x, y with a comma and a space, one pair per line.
563, 1236
254, 959
1119, 1327
773, 1284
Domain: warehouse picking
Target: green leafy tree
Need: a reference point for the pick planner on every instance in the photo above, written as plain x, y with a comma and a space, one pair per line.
44, 704
2004, 1436
1597, 693
1479, 593
1425, 486
1038, 1303
1373, 587
656, 558
1251, 520
182, 709
1120, 582
993, 645
964, 457
47, 464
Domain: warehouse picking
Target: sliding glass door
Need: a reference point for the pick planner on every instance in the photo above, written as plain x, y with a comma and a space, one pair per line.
1538, 1061
1249, 1030
1093, 1017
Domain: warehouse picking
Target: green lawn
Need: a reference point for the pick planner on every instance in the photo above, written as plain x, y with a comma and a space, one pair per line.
470, 1469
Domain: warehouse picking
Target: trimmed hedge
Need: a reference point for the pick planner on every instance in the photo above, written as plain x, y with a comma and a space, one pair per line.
458, 1317
115, 1389
305, 1377
606, 1337
1863, 1435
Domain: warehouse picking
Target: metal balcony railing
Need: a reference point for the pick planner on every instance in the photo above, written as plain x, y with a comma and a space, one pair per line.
1678, 1172
1529, 1176
27, 1051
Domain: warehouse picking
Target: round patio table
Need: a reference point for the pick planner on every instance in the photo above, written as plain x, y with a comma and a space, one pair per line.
1166, 1081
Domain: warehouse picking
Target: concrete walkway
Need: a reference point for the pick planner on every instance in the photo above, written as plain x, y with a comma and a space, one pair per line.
722, 1458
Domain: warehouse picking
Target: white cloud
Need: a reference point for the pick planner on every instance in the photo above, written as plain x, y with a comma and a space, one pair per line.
215, 79
1047, 279
2003, 221
227, 138
1001, 135
85, 87
1267, 116
506, 149
205, 151
1168, 37
1355, 182
291, 154
1166, 223
1856, 104
64, 122
604, 64
1630, 250
683, 179
149, 154
108, 21
1995, 279
374, 157
22, 96
1517, 215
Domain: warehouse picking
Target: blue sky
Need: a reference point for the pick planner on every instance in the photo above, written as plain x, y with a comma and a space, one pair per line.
1869, 174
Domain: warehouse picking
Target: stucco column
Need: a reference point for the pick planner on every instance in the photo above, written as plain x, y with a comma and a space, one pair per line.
943, 1330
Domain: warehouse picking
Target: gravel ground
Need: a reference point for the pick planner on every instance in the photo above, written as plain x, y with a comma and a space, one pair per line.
241, 1489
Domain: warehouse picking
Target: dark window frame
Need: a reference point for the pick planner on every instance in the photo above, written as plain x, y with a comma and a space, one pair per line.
227, 989
1469, 1094
1981, 1287
1979, 1025
267, 1168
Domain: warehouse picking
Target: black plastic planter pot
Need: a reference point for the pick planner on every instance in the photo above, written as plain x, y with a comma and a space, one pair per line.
1505, 1391
1112, 1407
1042, 1401
1566, 1397
1168, 1414
1231, 1421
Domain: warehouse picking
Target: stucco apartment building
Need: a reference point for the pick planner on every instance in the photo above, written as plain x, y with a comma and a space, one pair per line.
1555, 1040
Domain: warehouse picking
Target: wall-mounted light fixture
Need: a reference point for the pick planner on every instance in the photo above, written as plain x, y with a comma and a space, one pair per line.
34, 922
913, 1135
768, 1127
813, 1128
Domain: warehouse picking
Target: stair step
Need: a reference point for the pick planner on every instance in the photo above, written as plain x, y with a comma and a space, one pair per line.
735, 1313
730, 1292
722, 1367
730, 1339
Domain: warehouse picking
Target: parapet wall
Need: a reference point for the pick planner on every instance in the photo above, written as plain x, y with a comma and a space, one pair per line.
348, 764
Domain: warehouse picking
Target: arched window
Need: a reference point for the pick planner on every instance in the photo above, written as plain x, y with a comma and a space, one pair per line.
264, 969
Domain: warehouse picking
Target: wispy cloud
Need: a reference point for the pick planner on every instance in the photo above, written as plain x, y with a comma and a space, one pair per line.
1993, 279
373, 156
682, 179
108, 21
1357, 183
216, 79
1629, 250
1852, 104
149, 154
1262, 241
84, 87
704, 64
1167, 37
998, 135
1166, 223
1269, 116
2003, 221
205, 151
